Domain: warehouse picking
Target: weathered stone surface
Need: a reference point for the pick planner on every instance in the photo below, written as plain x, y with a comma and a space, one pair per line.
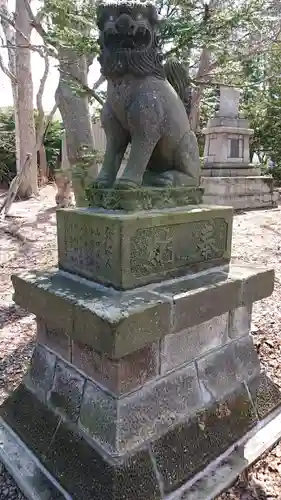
218, 372
223, 369
186, 449
257, 286
246, 359
30, 419
82, 471
66, 394
240, 321
149, 413
195, 306
240, 192
99, 416
54, 338
120, 375
181, 347
119, 323
128, 250
122, 424
116, 323
143, 198
41, 372
265, 394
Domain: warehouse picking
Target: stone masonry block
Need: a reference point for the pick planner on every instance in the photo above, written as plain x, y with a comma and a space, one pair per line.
202, 298
221, 371
115, 323
211, 293
127, 422
188, 448
240, 321
40, 375
150, 412
181, 347
218, 372
84, 472
119, 323
99, 416
54, 338
126, 250
246, 358
266, 395
122, 375
65, 395
257, 282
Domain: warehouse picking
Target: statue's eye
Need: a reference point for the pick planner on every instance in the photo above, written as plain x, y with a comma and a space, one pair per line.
139, 17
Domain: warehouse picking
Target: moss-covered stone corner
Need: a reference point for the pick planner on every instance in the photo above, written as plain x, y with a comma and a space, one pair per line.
143, 198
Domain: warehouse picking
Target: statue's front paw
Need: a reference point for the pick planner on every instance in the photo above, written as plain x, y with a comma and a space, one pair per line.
101, 183
125, 184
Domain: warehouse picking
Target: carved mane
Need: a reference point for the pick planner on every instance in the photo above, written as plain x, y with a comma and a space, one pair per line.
145, 63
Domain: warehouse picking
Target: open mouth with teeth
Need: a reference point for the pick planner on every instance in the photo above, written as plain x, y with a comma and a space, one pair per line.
139, 40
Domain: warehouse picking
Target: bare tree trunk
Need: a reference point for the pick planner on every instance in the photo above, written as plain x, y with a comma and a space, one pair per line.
9, 33
24, 101
204, 64
63, 181
43, 166
75, 113
202, 75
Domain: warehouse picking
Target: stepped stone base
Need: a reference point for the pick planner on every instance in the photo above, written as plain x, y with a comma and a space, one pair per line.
116, 416
225, 170
133, 391
241, 193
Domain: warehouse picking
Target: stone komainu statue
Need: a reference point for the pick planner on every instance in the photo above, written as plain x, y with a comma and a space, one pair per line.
142, 107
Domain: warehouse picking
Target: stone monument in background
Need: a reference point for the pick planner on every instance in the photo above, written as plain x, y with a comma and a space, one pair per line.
228, 178
144, 383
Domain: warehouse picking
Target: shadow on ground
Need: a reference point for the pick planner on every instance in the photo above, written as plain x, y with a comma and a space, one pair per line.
11, 313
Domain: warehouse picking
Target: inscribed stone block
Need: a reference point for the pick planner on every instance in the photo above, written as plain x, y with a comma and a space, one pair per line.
126, 250
181, 347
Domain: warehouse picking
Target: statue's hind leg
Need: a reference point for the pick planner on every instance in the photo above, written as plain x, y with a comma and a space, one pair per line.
187, 159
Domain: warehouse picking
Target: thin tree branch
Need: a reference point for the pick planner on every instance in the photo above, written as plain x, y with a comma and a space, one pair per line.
35, 21
84, 86
99, 82
7, 72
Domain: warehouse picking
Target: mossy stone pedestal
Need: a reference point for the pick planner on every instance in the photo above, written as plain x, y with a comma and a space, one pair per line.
144, 372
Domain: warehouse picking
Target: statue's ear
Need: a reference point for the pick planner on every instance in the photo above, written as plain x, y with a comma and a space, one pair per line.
100, 14
152, 14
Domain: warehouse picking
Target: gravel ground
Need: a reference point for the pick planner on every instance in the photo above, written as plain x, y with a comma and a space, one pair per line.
28, 238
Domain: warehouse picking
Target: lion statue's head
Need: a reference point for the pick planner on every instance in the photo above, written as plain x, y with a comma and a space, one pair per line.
129, 39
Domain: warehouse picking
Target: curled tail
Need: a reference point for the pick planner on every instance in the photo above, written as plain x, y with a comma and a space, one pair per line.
177, 76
